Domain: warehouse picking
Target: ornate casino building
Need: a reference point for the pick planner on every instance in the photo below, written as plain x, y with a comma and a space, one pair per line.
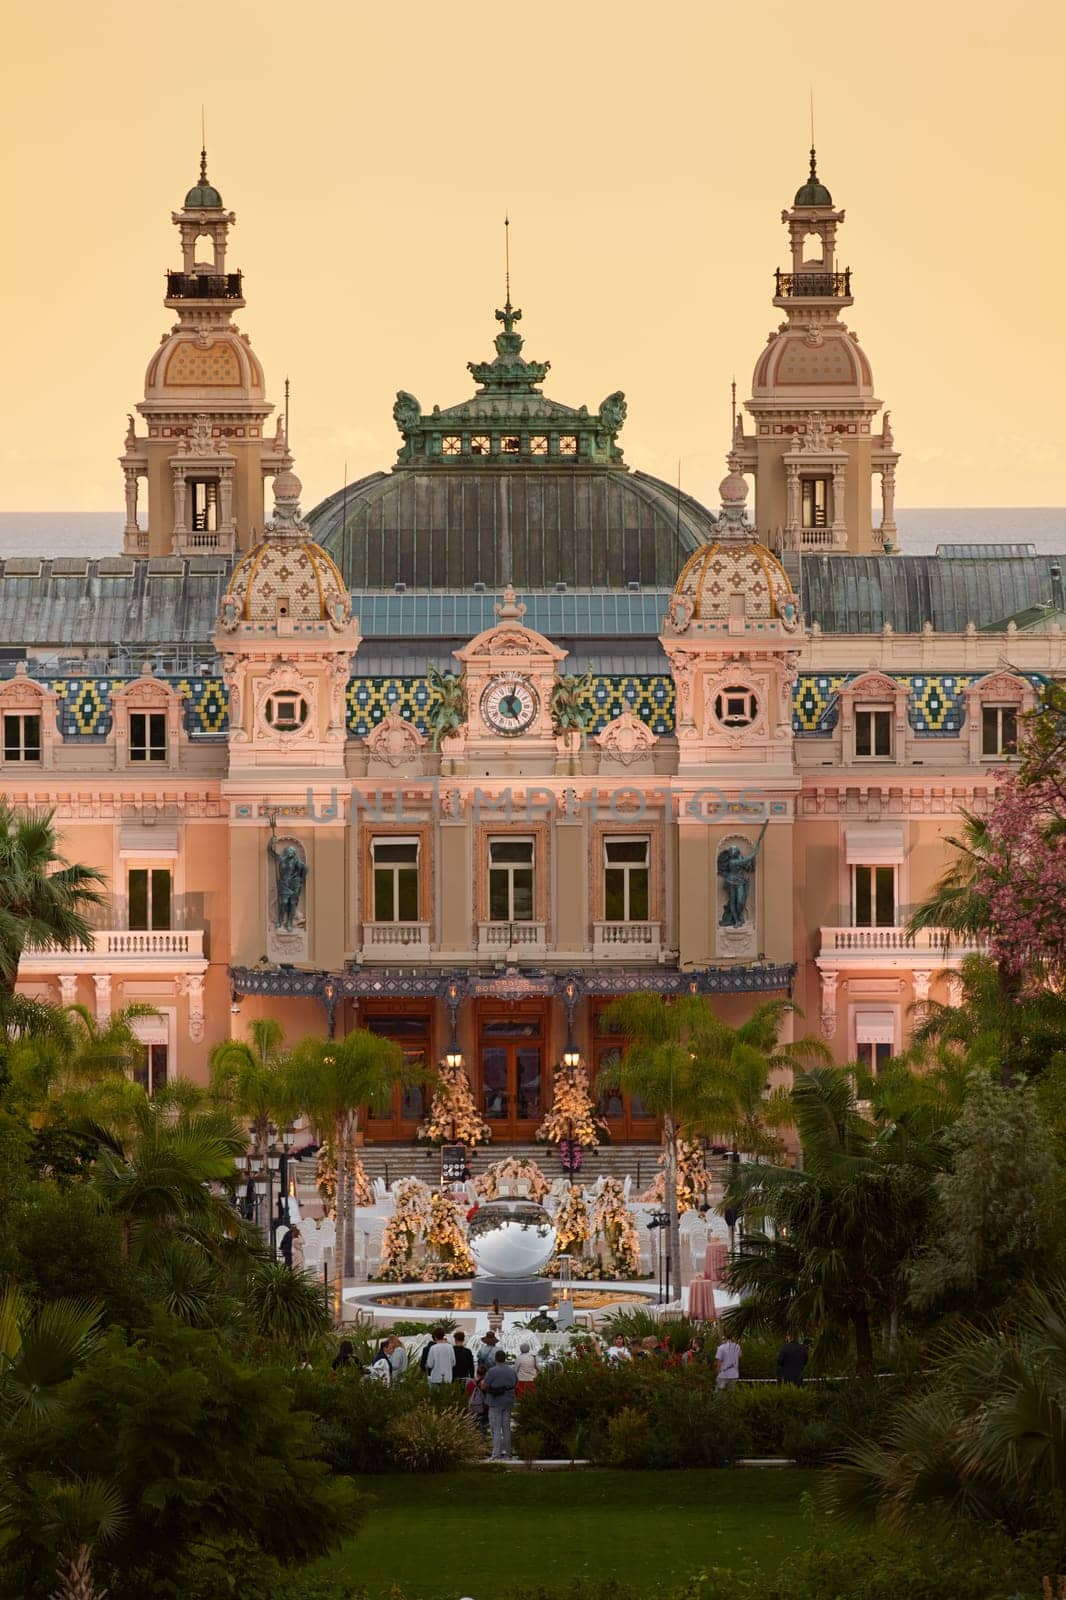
512, 727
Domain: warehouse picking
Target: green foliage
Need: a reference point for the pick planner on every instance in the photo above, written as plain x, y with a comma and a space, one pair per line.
67, 1246
676, 1332
627, 1441
998, 1221
431, 1438
200, 1449
43, 898
285, 1305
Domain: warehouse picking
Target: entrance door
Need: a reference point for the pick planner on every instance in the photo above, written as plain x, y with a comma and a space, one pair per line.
411, 1031
627, 1117
513, 1080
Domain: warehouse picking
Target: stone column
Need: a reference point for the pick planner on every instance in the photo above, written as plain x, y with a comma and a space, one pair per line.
225, 502
792, 503
132, 527
193, 987
888, 502
921, 982
68, 988
829, 1003
102, 981
840, 528
954, 989
179, 502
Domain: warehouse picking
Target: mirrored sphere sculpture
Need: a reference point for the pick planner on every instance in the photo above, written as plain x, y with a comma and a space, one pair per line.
511, 1238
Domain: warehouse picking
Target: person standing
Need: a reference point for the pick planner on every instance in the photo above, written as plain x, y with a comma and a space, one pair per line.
440, 1362
693, 1353
296, 1249
397, 1352
526, 1369
476, 1403
619, 1350
285, 1247
499, 1384
463, 1370
791, 1361
727, 1364
486, 1350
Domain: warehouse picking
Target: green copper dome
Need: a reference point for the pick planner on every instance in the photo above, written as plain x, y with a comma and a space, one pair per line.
203, 195
813, 193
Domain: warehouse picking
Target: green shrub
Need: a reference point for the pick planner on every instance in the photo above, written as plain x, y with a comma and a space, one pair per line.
677, 1332
627, 1441
411, 1327
773, 1416
433, 1439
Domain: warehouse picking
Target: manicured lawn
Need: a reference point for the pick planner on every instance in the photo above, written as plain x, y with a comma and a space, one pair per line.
482, 1533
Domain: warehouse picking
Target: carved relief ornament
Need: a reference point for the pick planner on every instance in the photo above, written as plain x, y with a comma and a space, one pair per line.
626, 738
394, 739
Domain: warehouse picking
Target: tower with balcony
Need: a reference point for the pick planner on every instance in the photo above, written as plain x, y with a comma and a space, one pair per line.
203, 455
817, 445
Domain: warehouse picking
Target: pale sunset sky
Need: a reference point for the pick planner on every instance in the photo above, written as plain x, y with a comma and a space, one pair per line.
644, 152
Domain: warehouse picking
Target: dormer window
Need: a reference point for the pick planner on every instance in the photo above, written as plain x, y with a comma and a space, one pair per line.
286, 711
22, 736
510, 445
148, 736
538, 444
999, 730
480, 445
451, 445
873, 732
568, 444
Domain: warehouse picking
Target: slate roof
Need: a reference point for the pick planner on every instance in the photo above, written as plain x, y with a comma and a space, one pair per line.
859, 594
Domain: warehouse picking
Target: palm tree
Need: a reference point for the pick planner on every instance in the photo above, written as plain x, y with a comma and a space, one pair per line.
284, 1305
43, 898
1015, 1034
81, 1068
251, 1077
844, 1226
984, 1443
159, 1177
81, 1515
662, 1066
40, 1349
333, 1079
741, 1105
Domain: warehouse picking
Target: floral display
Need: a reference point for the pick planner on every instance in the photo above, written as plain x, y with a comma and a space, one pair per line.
512, 1169
326, 1179
613, 1225
693, 1179
453, 1115
404, 1230
573, 1112
449, 1254
572, 1224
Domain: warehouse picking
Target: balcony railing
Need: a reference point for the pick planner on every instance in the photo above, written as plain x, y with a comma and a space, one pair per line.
626, 940
895, 942
813, 285
203, 286
499, 938
124, 944
386, 941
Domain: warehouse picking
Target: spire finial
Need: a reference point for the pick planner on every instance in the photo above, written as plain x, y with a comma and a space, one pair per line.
814, 165
507, 260
203, 146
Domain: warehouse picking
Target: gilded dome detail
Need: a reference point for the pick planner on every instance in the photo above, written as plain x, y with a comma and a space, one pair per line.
725, 568
286, 577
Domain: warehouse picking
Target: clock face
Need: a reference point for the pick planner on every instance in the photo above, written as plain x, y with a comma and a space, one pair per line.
510, 705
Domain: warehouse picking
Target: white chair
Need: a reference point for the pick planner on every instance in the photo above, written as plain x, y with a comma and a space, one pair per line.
379, 1188
626, 1187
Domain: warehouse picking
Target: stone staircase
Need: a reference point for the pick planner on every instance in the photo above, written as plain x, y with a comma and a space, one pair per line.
392, 1161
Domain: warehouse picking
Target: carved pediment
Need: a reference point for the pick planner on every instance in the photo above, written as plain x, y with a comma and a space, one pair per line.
873, 686
510, 640
1002, 686
23, 693
626, 738
394, 739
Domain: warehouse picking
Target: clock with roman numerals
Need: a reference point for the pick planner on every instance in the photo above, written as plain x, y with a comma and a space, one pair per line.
509, 705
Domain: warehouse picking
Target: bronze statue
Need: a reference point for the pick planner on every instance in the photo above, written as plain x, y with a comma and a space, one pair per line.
447, 713
568, 710
290, 875
735, 871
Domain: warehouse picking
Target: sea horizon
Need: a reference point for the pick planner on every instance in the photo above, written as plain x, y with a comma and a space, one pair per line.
921, 529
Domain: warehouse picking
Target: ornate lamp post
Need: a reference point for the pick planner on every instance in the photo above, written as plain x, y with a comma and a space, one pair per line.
570, 1150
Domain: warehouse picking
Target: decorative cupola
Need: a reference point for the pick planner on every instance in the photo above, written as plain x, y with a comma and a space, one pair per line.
286, 635
814, 451
731, 634
204, 455
509, 421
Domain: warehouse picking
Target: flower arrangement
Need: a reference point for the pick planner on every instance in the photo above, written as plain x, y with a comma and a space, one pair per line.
572, 1224
326, 1179
512, 1169
613, 1223
446, 1241
453, 1115
573, 1112
407, 1225
693, 1179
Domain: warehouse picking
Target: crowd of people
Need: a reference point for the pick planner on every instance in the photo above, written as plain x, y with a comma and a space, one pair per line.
493, 1383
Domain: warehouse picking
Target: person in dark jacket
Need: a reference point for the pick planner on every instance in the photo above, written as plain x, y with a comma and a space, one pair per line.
791, 1360
464, 1358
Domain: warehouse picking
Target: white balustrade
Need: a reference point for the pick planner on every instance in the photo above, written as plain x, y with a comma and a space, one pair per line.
895, 941
497, 938
626, 939
384, 941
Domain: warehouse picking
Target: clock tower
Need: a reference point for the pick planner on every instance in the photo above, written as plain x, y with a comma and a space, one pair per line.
509, 674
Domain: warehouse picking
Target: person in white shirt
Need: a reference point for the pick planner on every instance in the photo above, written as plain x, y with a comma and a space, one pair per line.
525, 1368
619, 1350
396, 1351
727, 1364
440, 1363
